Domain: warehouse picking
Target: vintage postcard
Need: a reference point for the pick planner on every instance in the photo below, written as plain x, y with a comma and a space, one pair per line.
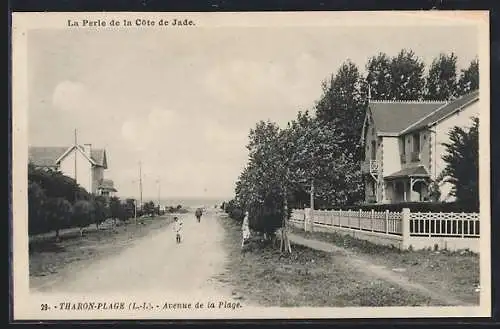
250, 165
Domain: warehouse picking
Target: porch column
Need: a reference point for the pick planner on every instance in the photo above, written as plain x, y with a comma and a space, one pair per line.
393, 197
404, 190
412, 182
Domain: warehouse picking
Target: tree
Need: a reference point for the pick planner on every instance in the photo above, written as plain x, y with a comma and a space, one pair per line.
407, 76
117, 210
441, 81
344, 101
130, 208
261, 187
83, 212
101, 210
36, 208
379, 77
469, 78
58, 214
56, 185
149, 208
462, 163
343, 107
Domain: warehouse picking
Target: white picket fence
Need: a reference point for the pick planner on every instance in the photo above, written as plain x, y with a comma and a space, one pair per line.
383, 222
458, 225
416, 229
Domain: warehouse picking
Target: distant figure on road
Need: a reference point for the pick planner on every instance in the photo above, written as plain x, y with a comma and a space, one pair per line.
245, 230
198, 213
178, 229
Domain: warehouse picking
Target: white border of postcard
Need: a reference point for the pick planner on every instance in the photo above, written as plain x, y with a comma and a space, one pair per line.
26, 306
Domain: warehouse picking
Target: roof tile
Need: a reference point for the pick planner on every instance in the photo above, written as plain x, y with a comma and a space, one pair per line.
407, 172
393, 116
46, 156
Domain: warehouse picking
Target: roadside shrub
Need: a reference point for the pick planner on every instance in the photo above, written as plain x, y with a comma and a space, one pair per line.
58, 214
83, 213
413, 206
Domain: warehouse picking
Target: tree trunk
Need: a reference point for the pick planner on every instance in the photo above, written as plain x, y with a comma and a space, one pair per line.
285, 242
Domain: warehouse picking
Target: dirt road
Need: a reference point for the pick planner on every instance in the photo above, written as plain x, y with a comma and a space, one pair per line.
156, 264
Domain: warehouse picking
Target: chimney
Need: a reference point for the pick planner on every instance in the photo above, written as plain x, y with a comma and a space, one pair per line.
87, 148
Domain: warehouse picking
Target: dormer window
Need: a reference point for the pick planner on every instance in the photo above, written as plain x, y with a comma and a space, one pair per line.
416, 142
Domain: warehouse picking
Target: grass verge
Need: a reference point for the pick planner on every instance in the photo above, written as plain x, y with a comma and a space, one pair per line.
306, 278
49, 259
455, 273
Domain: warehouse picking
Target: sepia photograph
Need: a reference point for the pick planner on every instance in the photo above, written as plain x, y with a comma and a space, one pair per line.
250, 165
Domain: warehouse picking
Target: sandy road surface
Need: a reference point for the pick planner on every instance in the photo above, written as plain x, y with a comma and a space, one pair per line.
157, 265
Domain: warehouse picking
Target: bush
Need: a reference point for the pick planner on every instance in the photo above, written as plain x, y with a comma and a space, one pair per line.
414, 207
83, 213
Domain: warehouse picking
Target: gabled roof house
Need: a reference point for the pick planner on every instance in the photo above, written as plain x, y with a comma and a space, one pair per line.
403, 148
81, 162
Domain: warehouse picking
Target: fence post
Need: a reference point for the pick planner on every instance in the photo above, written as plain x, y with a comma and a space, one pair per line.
371, 218
386, 221
340, 218
405, 228
359, 220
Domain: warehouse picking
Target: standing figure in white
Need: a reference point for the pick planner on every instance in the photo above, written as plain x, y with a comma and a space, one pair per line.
245, 230
177, 229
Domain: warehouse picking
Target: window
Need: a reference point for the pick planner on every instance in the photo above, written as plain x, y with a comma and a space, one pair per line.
403, 150
416, 142
374, 150
415, 154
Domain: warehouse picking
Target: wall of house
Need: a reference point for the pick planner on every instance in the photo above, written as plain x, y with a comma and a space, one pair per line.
391, 164
83, 169
371, 137
406, 141
461, 119
97, 177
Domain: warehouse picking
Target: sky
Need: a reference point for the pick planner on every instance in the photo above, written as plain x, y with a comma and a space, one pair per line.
182, 102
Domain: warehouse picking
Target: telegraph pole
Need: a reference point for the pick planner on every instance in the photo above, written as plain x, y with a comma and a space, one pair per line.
140, 183
159, 188
76, 180
76, 143
135, 211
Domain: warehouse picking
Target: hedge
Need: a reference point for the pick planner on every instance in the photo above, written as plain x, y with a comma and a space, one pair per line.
456, 207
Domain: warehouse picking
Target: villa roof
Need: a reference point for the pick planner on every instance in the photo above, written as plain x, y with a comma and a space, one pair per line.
444, 111
47, 156
393, 117
107, 185
418, 171
397, 117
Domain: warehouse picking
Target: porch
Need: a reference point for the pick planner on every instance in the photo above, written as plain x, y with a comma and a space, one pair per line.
407, 185
106, 188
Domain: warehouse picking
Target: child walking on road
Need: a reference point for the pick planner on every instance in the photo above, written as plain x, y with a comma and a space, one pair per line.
177, 229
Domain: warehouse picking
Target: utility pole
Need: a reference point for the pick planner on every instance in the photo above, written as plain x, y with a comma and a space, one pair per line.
76, 145
140, 183
135, 211
76, 180
159, 188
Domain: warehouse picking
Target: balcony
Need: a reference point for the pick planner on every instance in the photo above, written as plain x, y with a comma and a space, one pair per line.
370, 167
415, 156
